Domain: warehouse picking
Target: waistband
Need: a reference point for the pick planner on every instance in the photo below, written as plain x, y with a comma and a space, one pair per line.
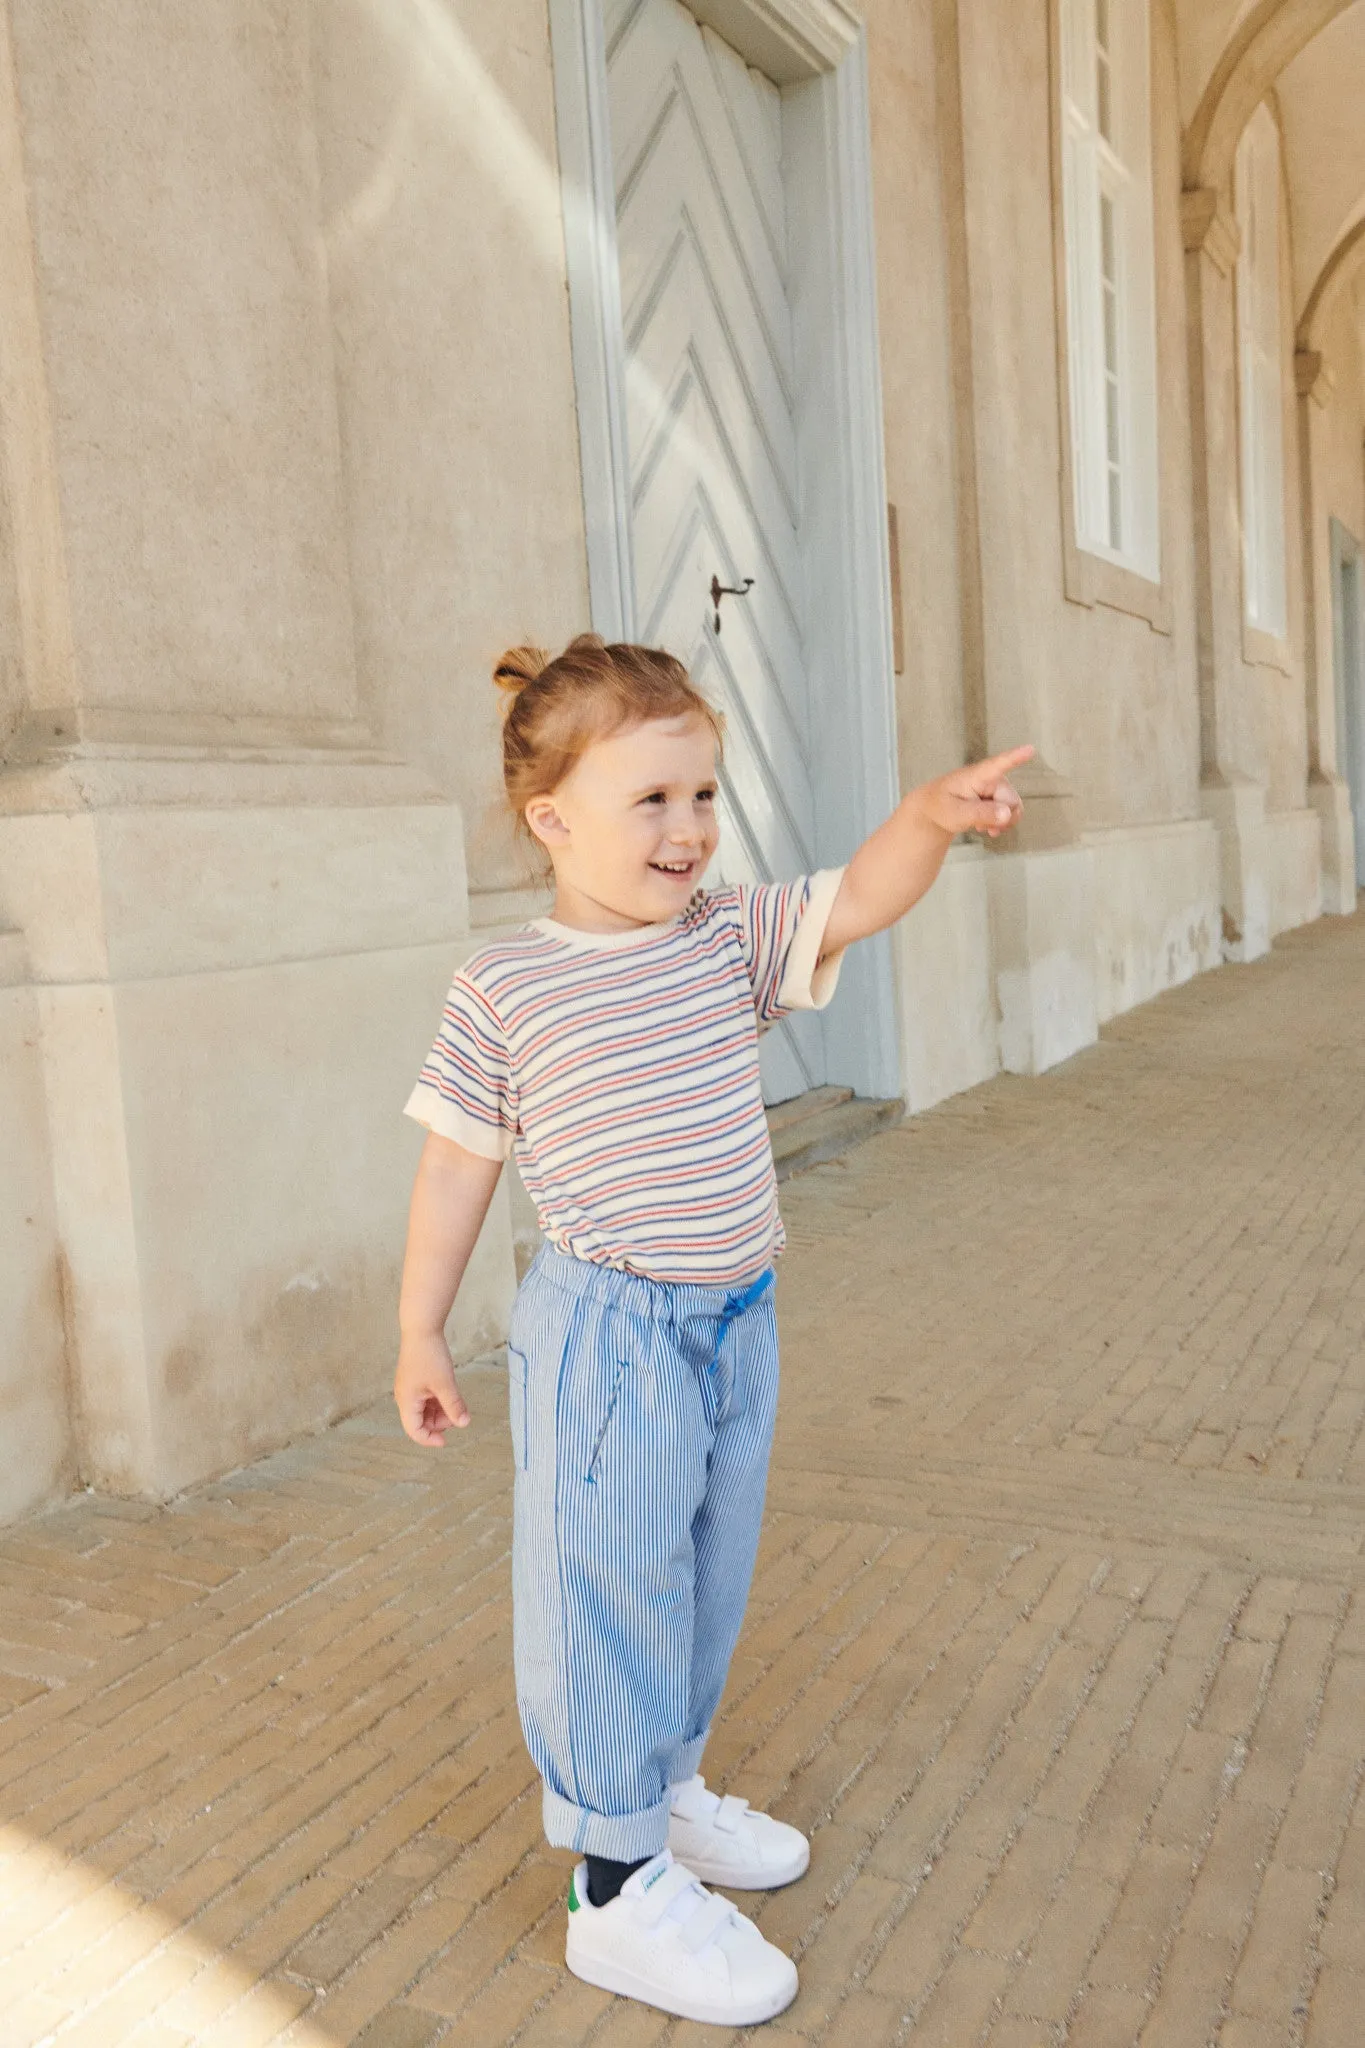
663, 1301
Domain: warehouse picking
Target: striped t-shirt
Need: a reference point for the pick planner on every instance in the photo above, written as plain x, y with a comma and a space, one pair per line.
622, 1067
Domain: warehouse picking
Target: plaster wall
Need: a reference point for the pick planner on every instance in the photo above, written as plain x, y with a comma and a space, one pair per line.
1158, 920
1295, 868
967, 232
36, 1452
189, 366
300, 424
950, 1026
444, 247
1106, 696
268, 1195
1042, 923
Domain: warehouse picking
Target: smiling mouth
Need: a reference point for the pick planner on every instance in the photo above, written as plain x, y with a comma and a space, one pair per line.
675, 869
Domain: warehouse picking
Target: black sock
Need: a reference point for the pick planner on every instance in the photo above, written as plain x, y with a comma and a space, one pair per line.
606, 1878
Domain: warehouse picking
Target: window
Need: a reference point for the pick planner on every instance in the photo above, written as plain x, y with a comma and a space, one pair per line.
1258, 343
1110, 280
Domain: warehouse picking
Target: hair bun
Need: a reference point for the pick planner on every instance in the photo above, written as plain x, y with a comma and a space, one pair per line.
518, 667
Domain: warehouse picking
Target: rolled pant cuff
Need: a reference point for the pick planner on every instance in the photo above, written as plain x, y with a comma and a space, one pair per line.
689, 1759
625, 1837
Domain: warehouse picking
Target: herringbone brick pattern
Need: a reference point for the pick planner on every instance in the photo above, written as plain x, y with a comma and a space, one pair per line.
1057, 1644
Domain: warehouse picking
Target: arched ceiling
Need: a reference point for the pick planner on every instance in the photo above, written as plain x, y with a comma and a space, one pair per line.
1322, 114
1261, 41
1311, 55
1204, 29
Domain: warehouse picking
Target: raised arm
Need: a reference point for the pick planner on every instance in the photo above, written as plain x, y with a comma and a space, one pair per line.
894, 866
450, 1199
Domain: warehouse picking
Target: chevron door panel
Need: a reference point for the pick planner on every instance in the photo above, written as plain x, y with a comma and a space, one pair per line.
715, 488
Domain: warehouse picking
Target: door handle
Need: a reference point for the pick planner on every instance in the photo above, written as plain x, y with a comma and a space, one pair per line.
720, 590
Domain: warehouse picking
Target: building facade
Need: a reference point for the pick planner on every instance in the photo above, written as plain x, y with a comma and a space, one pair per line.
932, 376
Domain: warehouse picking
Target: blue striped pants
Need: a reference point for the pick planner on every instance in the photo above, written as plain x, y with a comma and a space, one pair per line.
642, 1415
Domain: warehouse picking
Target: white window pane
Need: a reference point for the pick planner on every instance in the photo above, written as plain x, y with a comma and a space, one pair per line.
1104, 76
1110, 282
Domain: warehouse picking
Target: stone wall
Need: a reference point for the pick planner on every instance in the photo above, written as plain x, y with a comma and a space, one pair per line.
289, 453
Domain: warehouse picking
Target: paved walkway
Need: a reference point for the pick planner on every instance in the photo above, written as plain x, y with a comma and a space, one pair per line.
1057, 1643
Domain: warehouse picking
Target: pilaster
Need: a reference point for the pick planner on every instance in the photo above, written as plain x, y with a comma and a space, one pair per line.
1042, 920
1235, 805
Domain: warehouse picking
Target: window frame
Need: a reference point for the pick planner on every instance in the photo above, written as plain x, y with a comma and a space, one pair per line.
1094, 572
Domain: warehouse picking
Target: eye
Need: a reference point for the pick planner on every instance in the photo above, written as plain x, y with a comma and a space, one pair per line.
656, 796
706, 796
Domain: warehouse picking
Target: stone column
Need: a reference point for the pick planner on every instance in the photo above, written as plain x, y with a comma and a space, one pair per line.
1234, 802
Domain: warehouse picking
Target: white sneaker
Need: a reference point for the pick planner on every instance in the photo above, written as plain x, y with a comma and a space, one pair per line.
727, 1843
669, 1942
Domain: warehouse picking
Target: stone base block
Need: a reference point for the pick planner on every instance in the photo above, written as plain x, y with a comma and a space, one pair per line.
1158, 920
233, 1004
1295, 868
1042, 917
1330, 797
36, 1456
950, 1037
1237, 809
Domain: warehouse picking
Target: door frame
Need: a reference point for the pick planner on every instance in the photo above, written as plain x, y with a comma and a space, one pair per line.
1348, 677
816, 52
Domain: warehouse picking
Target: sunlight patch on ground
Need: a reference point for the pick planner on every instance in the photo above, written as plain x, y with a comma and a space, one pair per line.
86, 1964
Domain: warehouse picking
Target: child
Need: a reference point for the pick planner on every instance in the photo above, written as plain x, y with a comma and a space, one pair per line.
615, 1044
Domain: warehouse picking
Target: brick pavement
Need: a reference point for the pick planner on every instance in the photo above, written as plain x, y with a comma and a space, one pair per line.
1057, 1643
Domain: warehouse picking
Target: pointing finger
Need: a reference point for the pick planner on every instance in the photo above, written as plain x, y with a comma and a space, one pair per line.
1000, 765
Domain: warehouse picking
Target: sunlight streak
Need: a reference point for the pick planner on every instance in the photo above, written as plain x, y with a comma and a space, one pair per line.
81, 1952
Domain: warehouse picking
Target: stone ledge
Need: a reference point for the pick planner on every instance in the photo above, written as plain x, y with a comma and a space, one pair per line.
834, 1122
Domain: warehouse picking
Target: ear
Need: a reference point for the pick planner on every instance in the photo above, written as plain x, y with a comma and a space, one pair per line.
545, 822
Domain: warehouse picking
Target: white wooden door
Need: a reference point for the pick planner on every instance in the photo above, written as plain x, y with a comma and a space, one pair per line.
702, 240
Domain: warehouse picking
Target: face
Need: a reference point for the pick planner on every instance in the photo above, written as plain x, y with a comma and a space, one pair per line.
632, 827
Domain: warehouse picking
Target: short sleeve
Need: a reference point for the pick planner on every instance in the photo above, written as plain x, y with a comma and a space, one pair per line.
782, 925
465, 1090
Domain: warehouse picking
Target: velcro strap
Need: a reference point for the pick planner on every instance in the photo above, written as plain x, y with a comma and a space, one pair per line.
730, 1814
676, 1880
705, 1924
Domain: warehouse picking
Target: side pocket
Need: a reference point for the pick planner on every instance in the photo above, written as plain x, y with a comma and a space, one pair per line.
517, 1406
591, 1473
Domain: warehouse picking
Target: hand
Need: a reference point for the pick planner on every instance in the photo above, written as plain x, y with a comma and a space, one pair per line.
429, 1402
979, 798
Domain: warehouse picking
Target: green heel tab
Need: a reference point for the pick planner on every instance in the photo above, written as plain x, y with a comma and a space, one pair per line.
573, 1893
